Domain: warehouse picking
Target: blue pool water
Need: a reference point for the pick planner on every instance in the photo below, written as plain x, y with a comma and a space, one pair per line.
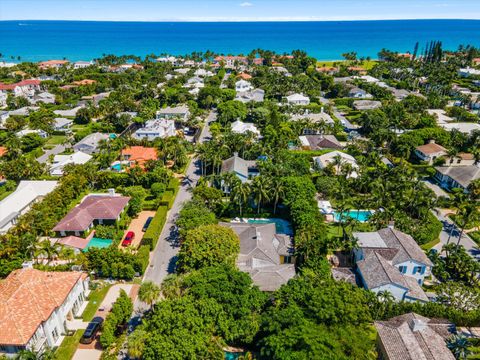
233, 355
360, 215
282, 226
117, 167
98, 243
327, 40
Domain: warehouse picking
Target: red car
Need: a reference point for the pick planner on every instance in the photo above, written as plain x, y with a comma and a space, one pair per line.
128, 238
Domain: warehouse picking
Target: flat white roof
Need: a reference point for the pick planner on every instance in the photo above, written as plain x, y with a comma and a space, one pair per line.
370, 240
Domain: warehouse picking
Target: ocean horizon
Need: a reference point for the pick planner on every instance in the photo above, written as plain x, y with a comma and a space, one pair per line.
37, 40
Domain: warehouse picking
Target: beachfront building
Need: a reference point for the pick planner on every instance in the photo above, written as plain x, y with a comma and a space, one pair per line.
36, 307
21, 200
52, 64
157, 128
82, 64
95, 209
265, 255
390, 260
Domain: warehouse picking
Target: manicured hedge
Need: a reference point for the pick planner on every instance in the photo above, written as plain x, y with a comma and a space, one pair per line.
153, 232
143, 256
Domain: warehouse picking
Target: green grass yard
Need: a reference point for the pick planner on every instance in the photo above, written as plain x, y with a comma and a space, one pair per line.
67, 348
55, 140
94, 300
367, 65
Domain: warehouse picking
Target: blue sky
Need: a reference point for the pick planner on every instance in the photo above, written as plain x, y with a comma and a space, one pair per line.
231, 10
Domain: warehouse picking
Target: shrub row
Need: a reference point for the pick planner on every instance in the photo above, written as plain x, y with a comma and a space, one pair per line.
153, 232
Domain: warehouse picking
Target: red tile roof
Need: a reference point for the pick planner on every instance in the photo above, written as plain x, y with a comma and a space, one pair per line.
84, 82
431, 148
140, 154
3, 151
93, 207
28, 297
21, 83
244, 76
51, 63
74, 241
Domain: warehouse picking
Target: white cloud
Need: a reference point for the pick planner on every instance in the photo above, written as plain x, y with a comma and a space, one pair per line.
246, 4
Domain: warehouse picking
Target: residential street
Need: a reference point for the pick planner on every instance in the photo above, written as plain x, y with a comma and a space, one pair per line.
163, 258
449, 226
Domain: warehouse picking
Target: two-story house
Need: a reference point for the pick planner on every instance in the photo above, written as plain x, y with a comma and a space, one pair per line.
430, 152
264, 254
390, 260
35, 307
243, 169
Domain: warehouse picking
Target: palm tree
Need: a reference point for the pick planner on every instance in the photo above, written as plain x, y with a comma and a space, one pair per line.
261, 190
48, 249
459, 346
278, 191
149, 293
240, 193
468, 214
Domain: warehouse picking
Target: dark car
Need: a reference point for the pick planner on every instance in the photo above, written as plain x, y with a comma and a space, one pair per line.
128, 239
147, 223
92, 330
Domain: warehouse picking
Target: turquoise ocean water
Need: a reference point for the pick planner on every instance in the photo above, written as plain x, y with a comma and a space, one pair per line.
77, 40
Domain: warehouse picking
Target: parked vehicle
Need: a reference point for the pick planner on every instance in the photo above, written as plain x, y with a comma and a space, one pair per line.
91, 330
147, 223
128, 238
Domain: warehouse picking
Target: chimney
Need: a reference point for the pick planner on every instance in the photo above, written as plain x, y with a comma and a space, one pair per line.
27, 265
111, 192
235, 154
432, 141
321, 110
417, 325
391, 225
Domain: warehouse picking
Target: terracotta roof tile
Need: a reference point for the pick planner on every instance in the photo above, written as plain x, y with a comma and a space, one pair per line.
28, 297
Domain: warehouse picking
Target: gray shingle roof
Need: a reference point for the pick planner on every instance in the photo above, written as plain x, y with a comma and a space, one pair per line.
260, 251
463, 175
238, 165
318, 142
414, 337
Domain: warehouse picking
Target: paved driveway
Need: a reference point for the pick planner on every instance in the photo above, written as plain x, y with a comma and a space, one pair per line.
136, 225
164, 256
450, 228
87, 354
55, 151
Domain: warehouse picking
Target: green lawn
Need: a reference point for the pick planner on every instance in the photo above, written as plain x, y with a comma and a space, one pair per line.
55, 140
69, 345
430, 244
94, 300
367, 65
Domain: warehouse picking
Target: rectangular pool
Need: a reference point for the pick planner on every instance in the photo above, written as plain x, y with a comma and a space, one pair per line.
360, 215
98, 243
282, 226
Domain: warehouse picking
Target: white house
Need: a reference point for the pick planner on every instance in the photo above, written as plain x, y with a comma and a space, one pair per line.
243, 86
174, 113
39, 132
44, 97
256, 95
68, 113
333, 158
36, 307
358, 93
82, 64
239, 127
3, 98
430, 152
390, 260
4, 115
467, 72
62, 124
20, 201
158, 128
60, 161
298, 99
202, 73
89, 144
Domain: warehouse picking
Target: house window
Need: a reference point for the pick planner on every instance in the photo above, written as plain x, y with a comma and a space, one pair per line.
417, 270
419, 281
55, 334
287, 259
402, 269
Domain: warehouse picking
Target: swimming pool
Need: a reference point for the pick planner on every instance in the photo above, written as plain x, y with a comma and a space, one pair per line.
360, 215
98, 243
233, 355
117, 167
282, 226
